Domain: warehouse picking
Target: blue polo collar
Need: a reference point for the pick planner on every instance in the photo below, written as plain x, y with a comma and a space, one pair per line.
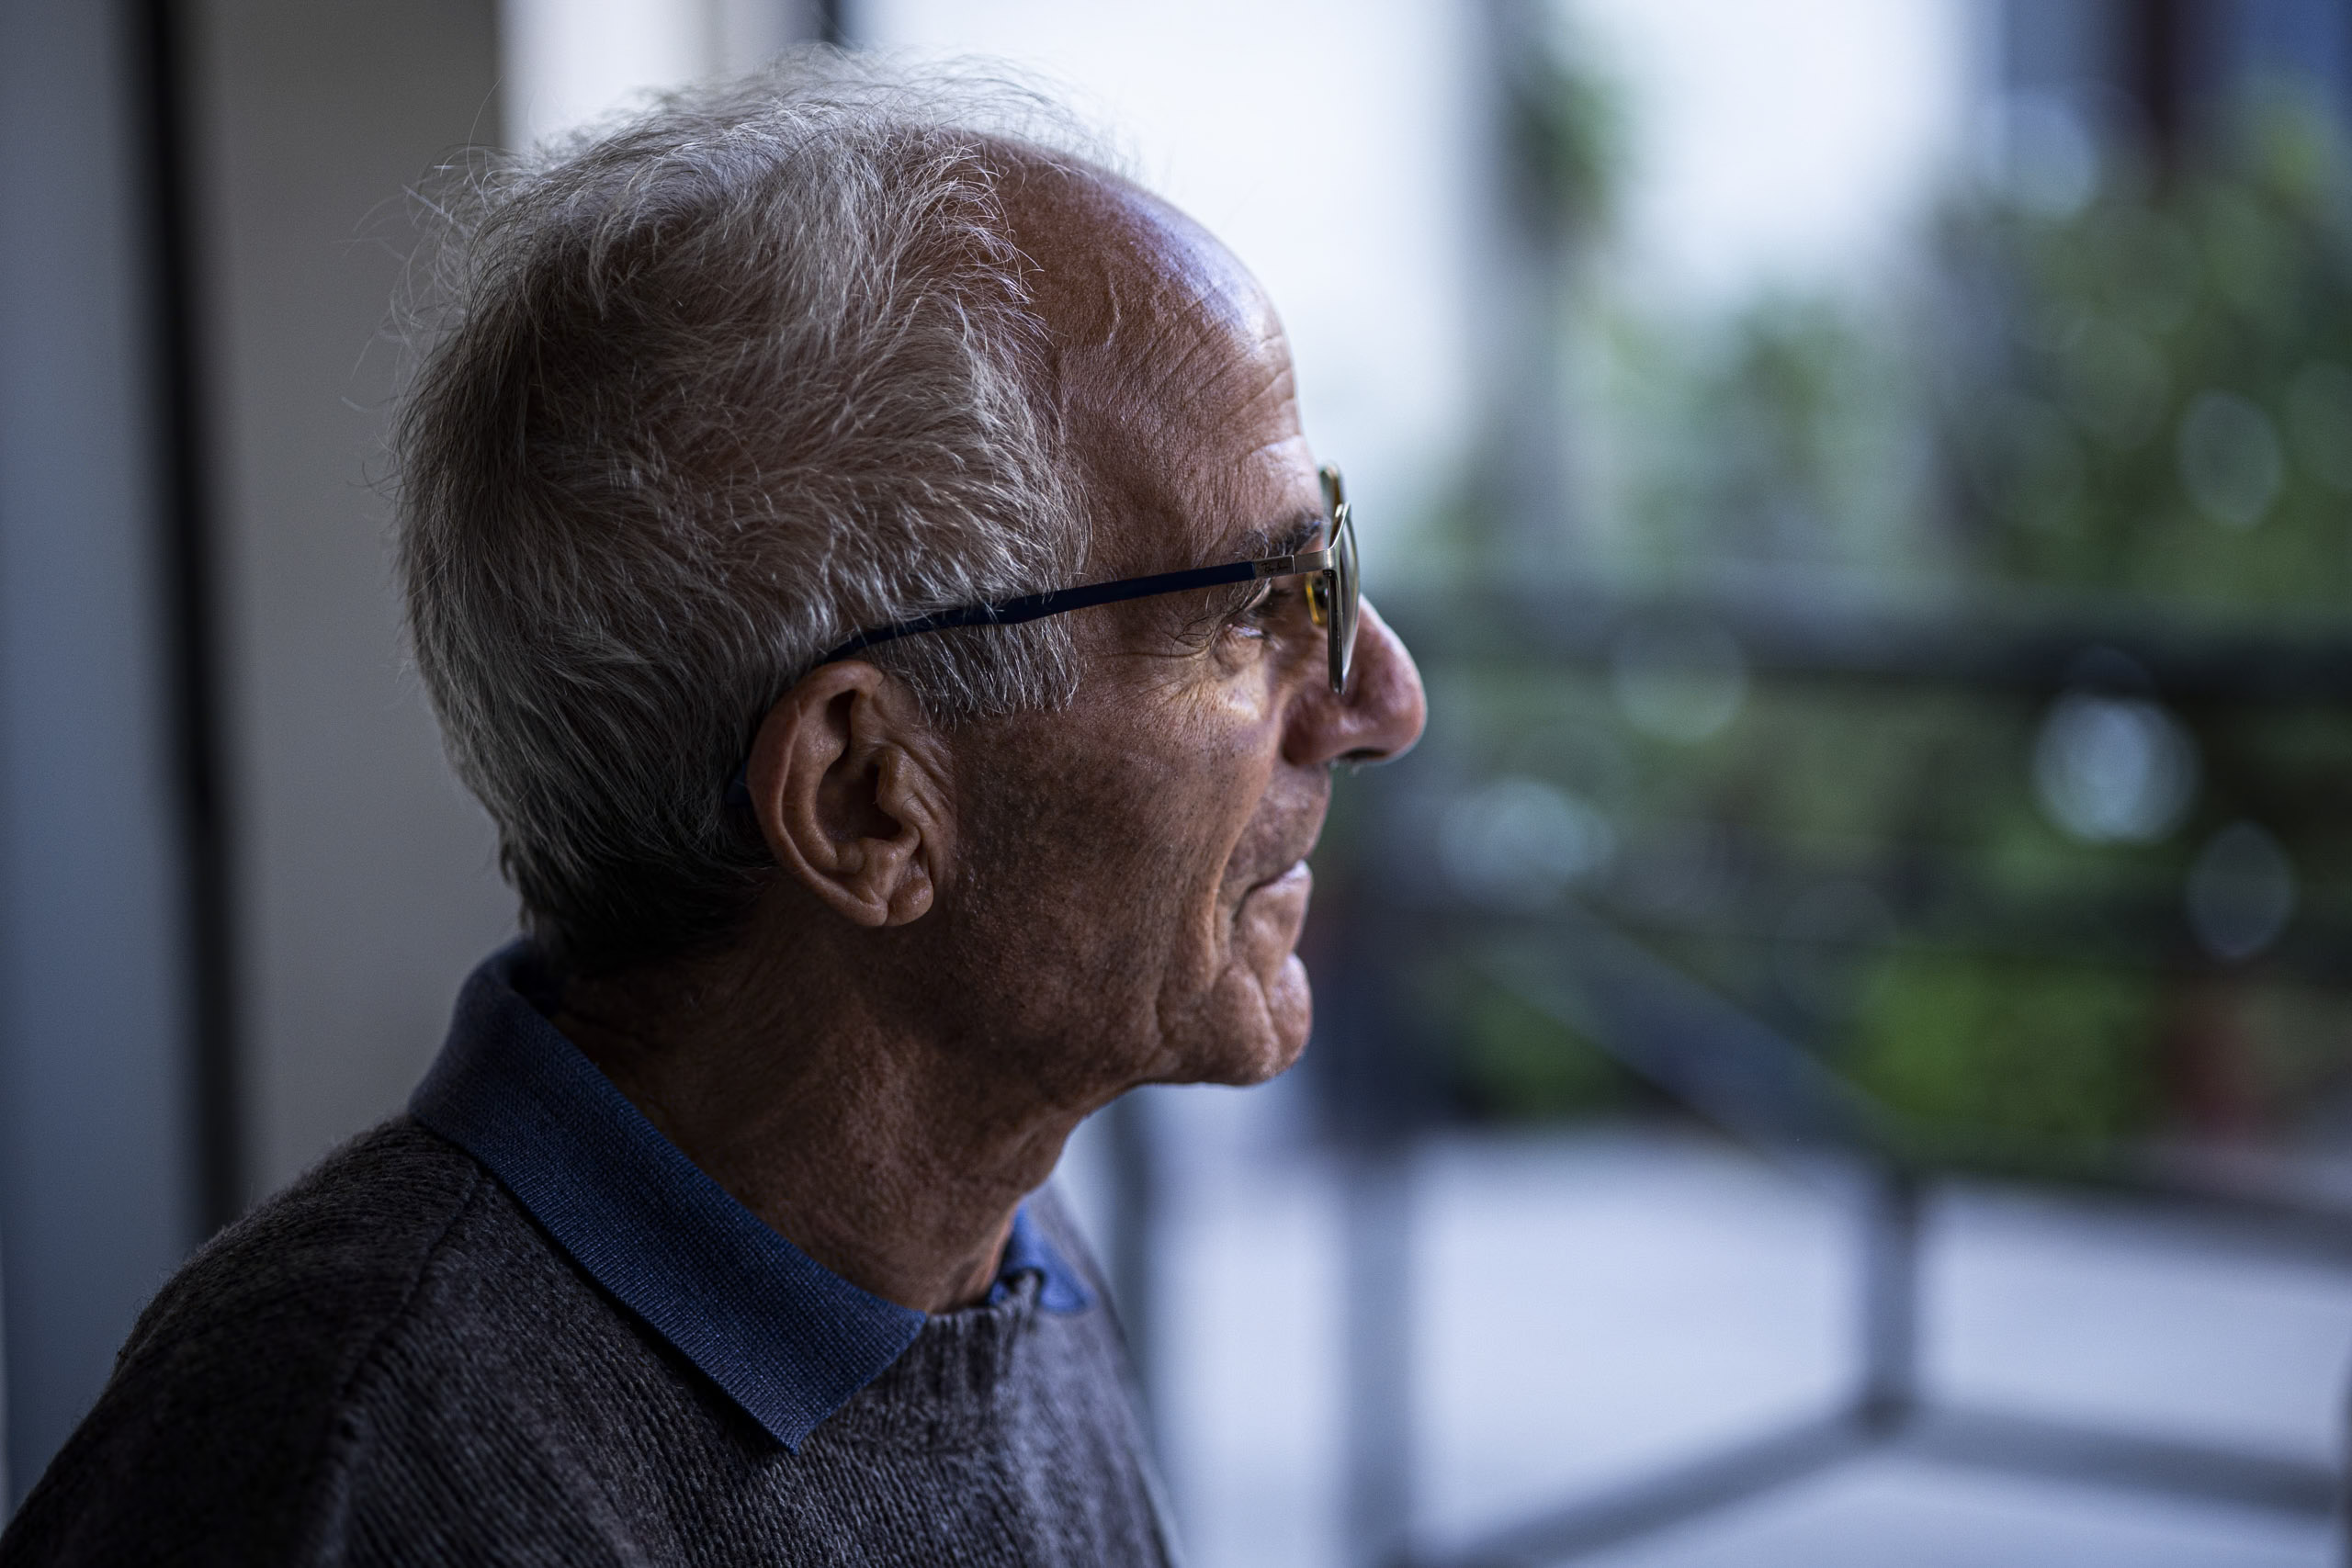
787, 1340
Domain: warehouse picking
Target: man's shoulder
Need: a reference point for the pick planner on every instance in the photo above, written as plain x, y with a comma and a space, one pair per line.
252, 1369
332, 1256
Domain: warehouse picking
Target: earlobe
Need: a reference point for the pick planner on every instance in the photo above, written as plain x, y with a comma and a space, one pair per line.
847, 778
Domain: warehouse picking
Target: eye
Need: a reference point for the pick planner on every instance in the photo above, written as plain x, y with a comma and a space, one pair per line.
1264, 606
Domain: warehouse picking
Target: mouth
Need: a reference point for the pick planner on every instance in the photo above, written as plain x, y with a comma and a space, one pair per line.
1293, 875
1271, 915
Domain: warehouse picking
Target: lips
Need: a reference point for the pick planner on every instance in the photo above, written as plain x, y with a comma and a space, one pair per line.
1280, 899
1293, 883
1295, 872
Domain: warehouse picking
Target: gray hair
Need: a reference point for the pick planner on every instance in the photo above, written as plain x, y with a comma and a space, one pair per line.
707, 394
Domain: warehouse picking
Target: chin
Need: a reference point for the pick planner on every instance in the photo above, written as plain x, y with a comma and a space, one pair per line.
1264, 1043
1252, 1068
1244, 1071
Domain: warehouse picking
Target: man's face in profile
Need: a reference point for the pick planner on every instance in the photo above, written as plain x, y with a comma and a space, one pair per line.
1142, 853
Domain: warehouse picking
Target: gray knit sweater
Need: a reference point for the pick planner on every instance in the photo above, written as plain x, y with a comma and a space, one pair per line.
394, 1362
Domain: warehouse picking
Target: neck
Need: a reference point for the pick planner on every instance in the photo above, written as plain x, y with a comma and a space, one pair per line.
892, 1148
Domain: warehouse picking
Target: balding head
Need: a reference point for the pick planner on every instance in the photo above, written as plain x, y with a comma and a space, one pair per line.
1157, 339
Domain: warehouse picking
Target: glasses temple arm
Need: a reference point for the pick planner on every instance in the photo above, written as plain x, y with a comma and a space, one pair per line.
1059, 601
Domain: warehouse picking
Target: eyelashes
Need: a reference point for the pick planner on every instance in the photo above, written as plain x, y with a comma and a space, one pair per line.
1251, 612
1260, 612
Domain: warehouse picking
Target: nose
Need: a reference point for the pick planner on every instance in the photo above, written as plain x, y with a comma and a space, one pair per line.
1378, 717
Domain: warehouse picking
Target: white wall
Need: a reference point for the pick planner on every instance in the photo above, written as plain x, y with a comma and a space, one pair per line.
363, 876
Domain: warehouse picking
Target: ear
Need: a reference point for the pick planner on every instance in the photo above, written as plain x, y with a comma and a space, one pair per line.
850, 782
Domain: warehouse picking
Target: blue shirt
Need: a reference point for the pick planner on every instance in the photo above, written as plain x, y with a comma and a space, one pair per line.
787, 1340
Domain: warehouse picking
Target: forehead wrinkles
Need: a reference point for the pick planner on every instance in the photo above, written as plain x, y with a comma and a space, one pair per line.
1169, 365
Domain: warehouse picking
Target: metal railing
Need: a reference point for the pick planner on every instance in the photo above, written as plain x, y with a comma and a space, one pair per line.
1776, 1099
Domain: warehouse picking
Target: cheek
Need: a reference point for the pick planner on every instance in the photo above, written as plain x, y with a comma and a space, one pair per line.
1100, 870
1122, 879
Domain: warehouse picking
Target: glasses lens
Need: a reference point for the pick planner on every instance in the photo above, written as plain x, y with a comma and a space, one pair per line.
1343, 602
1318, 598
1333, 593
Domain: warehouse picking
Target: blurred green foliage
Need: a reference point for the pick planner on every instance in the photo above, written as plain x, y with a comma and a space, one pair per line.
1514, 1061
1565, 125
1869, 870
2009, 1060
2134, 400
1791, 435
2152, 393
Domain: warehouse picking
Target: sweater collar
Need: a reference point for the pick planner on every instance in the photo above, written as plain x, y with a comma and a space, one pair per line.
787, 1340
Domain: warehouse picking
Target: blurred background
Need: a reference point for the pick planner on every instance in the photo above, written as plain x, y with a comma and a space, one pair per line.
1837, 1049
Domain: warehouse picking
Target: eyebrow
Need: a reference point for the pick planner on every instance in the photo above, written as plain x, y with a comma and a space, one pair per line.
1281, 540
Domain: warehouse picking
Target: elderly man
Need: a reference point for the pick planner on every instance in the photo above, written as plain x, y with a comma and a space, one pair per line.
869, 566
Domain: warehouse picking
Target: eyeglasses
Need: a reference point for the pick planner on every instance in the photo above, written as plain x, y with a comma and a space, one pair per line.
1332, 591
